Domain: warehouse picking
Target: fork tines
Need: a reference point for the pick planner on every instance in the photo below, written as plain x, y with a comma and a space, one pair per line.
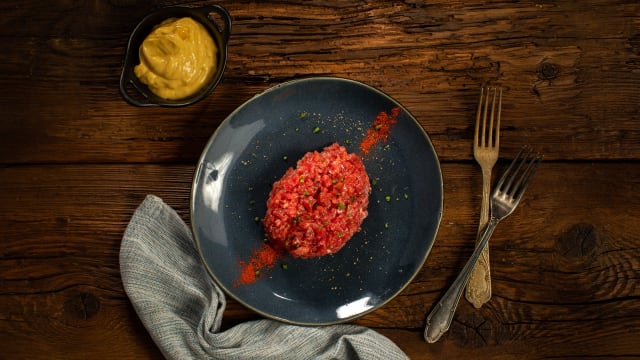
519, 174
484, 137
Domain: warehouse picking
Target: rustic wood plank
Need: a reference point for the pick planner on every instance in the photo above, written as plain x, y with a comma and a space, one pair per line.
565, 91
61, 228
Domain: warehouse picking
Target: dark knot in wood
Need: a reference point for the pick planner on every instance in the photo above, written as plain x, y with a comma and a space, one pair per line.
82, 306
472, 329
548, 71
634, 44
579, 240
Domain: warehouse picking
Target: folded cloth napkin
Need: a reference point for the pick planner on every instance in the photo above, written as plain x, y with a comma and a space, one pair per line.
182, 308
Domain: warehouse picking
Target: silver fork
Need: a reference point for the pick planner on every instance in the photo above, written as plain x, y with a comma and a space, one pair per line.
505, 198
486, 146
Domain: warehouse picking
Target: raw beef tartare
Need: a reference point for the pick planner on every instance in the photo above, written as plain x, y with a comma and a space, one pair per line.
314, 209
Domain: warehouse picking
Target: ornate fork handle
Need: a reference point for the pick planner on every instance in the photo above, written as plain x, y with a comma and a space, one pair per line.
440, 318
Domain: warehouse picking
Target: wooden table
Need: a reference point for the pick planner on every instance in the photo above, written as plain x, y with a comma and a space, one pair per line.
76, 161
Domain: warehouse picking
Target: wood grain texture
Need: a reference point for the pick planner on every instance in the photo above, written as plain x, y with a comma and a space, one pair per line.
550, 278
76, 160
575, 63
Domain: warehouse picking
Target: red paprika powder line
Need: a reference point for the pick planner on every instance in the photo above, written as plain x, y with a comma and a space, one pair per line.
263, 258
380, 130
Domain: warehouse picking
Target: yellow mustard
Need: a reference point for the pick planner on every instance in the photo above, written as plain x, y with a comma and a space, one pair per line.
177, 58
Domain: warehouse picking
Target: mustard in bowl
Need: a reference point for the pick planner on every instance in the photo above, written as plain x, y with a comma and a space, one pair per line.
176, 56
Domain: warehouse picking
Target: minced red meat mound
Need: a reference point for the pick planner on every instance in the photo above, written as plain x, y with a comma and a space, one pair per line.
314, 209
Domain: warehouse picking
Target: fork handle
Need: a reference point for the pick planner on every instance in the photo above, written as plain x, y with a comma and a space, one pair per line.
440, 318
478, 289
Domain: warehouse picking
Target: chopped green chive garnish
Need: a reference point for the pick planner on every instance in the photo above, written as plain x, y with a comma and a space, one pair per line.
302, 115
406, 196
285, 158
316, 130
284, 266
387, 198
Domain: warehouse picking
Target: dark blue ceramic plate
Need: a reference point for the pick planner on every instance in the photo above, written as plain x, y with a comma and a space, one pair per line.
254, 146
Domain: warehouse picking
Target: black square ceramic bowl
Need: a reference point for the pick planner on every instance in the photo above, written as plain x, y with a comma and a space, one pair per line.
214, 18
